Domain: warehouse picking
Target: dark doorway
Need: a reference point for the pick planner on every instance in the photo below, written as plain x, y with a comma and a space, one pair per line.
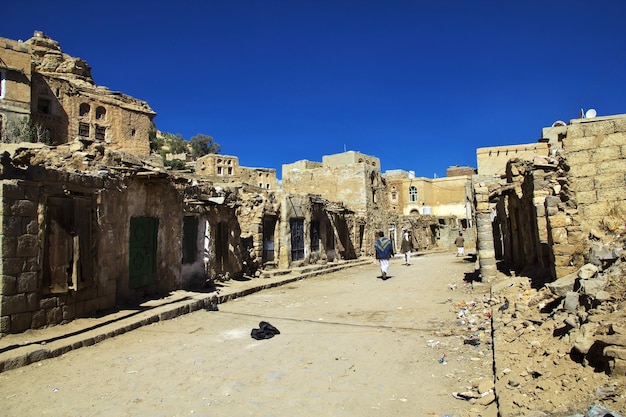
142, 251
297, 239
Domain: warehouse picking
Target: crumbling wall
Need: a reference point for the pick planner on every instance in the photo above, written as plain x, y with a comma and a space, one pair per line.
595, 150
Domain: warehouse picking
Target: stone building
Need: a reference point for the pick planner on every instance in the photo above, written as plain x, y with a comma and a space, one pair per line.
447, 202
539, 212
224, 169
15, 81
355, 180
65, 103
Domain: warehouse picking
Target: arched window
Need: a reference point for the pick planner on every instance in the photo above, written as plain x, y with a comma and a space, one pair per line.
84, 109
101, 113
412, 193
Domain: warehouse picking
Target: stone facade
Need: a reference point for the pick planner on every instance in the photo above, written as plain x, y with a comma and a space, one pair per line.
15, 90
538, 215
352, 178
65, 104
226, 169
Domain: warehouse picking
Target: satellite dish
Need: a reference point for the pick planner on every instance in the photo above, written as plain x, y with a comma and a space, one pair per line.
559, 123
590, 113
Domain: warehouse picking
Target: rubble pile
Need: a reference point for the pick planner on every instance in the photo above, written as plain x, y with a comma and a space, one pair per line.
561, 349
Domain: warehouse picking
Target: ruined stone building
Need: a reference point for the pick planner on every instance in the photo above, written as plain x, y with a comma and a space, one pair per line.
539, 206
354, 179
63, 103
91, 220
435, 210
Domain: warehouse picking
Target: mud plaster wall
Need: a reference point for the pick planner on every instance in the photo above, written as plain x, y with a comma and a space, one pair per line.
140, 198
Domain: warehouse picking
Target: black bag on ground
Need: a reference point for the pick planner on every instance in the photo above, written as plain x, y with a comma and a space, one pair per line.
265, 331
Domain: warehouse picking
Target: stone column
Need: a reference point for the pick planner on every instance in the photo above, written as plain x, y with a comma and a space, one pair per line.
485, 249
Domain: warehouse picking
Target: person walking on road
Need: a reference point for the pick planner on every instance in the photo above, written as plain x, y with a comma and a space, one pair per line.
406, 246
384, 251
459, 242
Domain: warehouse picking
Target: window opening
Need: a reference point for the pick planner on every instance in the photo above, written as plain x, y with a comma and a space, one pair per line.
83, 129
412, 193
101, 113
84, 109
100, 132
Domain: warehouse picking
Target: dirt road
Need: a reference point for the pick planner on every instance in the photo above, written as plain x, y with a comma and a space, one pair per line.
350, 344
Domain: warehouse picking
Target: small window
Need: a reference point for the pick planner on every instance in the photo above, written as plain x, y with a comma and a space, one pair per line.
412, 194
394, 196
101, 132
101, 113
43, 105
132, 132
260, 185
84, 109
219, 170
83, 130
230, 170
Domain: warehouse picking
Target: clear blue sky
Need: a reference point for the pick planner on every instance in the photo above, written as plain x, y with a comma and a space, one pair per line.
419, 84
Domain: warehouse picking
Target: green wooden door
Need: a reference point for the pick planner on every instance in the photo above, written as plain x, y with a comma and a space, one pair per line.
142, 251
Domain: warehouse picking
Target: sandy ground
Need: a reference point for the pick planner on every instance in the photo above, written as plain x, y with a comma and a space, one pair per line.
350, 344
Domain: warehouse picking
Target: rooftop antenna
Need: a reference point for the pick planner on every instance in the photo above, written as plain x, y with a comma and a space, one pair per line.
590, 113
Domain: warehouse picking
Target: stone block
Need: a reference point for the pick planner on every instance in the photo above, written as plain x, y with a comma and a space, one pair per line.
69, 312
32, 301
20, 322
46, 303
586, 197
27, 245
558, 220
583, 143
9, 246
609, 153
12, 226
611, 194
27, 282
594, 211
583, 170
559, 235
553, 201
12, 304
39, 319
581, 184
54, 315
609, 180
614, 139
618, 165
578, 157
8, 284
5, 324
23, 208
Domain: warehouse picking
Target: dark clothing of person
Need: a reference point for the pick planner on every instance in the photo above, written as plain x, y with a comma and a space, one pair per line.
459, 241
406, 246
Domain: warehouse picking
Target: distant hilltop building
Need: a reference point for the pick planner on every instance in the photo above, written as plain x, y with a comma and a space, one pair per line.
51, 97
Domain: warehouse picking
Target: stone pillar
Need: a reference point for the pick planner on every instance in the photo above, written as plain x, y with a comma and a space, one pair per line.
485, 248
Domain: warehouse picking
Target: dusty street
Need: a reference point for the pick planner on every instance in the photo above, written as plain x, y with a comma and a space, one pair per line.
350, 344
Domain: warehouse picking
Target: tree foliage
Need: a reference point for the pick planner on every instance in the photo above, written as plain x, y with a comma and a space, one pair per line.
26, 130
203, 145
